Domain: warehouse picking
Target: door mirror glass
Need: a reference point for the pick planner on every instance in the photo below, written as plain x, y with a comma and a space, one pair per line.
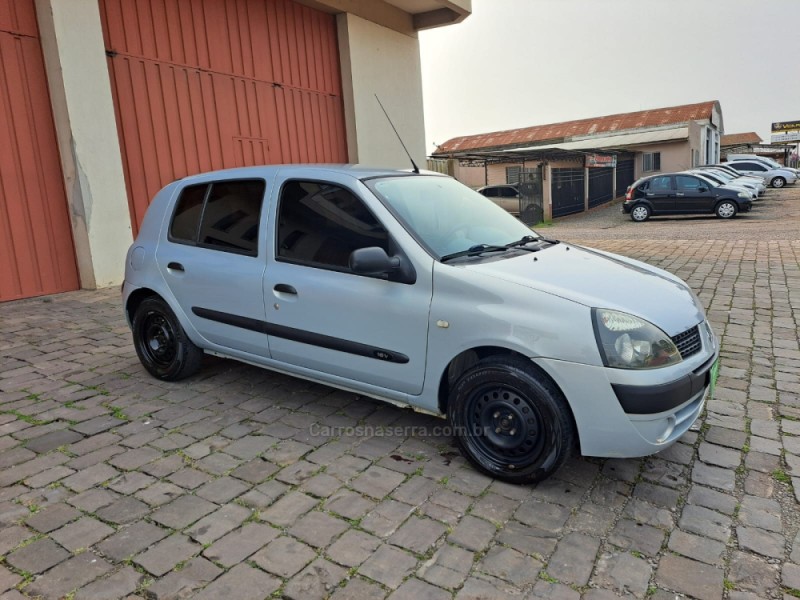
372, 261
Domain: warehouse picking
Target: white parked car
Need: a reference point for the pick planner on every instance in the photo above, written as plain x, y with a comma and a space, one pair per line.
718, 179
776, 178
414, 289
763, 159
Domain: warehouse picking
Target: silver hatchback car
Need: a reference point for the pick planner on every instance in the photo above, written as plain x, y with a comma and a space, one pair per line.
413, 289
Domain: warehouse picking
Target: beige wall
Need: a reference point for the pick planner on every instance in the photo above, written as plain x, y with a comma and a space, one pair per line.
80, 90
675, 156
377, 60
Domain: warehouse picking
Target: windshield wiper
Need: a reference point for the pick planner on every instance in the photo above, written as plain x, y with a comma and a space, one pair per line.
529, 239
474, 251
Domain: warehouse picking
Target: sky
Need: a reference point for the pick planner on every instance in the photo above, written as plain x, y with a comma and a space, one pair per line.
516, 63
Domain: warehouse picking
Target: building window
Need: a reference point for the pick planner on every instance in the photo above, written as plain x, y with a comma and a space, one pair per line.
512, 175
651, 161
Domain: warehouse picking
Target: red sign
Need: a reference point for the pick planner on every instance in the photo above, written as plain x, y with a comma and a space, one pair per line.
601, 160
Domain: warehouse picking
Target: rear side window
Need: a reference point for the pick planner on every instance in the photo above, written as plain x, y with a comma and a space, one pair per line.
490, 192
222, 215
320, 224
660, 184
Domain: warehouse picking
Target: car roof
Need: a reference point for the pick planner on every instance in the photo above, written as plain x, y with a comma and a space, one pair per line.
353, 170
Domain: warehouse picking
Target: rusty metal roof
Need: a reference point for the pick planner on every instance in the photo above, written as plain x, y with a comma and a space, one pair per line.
740, 139
559, 131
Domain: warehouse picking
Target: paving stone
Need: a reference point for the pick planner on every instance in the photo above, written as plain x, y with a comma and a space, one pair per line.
511, 566
255, 471
237, 545
318, 529
159, 493
264, 495
122, 511
760, 541
752, 574
414, 589
167, 553
97, 425
495, 508
473, 534
759, 461
242, 582
647, 514
389, 566
8, 579
16, 456
705, 522
656, 494
690, 577
528, 540
697, 547
726, 437
759, 484
14, 535
377, 482
385, 518
222, 521
118, 585
790, 576
288, 509
448, 568
131, 540
133, 459
623, 573
189, 478
665, 473
359, 589
183, 583
719, 456
574, 559
51, 441
37, 556
349, 504
284, 556
703, 496
69, 575
90, 477
49, 476
222, 490
543, 515
417, 535
556, 591
183, 512
316, 582
480, 589
130, 483
52, 517
353, 548
630, 535
83, 533
761, 513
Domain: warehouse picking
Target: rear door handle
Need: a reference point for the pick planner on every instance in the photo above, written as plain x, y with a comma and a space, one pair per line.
679, 194
175, 266
285, 288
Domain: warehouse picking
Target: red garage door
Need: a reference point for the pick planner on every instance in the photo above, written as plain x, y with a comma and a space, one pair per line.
211, 84
36, 252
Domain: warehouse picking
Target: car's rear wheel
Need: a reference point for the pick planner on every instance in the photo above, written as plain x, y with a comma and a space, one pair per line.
640, 212
510, 422
726, 209
162, 345
778, 182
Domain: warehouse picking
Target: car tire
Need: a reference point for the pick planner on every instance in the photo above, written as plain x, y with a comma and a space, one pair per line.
640, 213
509, 421
778, 182
726, 209
161, 343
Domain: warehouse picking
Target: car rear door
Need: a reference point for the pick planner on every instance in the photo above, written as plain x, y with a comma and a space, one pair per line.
324, 317
661, 193
693, 194
212, 259
750, 168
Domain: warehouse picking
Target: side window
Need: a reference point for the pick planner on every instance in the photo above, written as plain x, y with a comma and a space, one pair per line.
186, 219
231, 215
490, 192
320, 224
508, 192
660, 184
687, 184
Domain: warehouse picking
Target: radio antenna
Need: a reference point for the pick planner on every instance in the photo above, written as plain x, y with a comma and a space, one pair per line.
416, 168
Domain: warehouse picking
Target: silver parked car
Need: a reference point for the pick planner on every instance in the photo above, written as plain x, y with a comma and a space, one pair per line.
776, 178
414, 289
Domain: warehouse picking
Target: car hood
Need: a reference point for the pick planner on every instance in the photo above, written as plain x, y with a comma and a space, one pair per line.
602, 280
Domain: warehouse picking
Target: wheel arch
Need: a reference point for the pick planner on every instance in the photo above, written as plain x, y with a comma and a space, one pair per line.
468, 358
136, 298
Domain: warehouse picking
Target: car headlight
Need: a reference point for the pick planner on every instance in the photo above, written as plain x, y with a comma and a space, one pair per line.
743, 195
628, 342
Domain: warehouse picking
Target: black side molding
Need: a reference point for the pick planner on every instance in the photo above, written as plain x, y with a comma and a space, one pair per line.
653, 399
301, 336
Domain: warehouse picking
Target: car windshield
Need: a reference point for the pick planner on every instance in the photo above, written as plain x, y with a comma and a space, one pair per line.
446, 216
709, 181
720, 175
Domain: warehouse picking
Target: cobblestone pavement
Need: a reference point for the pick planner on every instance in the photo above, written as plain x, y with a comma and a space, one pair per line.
228, 485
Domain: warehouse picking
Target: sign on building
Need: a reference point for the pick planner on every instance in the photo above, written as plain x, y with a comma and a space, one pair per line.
784, 126
784, 138
595, 160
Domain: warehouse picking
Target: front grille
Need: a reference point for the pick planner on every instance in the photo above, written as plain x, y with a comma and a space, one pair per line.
688, 342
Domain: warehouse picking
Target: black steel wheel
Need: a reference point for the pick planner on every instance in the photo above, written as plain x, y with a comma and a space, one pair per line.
509, 421
162, 345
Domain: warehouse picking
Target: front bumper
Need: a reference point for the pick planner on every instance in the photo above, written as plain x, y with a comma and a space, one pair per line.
626, 413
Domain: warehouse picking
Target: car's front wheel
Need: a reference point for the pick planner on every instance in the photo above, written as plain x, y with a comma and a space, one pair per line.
162, 345
640, 212
509, 421
778, 182
726, 209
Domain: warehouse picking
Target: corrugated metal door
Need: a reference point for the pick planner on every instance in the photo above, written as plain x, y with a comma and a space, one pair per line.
566, 191
211, 84
36, 251
601, 185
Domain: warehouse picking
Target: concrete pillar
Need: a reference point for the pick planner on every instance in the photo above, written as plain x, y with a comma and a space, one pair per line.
547, 192
614, 181
83, 109
378, 60
585, 188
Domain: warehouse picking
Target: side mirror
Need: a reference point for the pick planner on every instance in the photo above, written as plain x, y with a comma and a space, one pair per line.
372, 261
702, 189
375, 261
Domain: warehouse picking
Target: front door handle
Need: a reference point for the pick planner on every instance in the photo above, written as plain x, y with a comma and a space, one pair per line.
679, 194
285, 289
175, 266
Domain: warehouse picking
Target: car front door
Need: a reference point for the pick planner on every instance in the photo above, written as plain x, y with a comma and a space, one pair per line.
750, 168
213, 260
324, 317
661, 194
693, 195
